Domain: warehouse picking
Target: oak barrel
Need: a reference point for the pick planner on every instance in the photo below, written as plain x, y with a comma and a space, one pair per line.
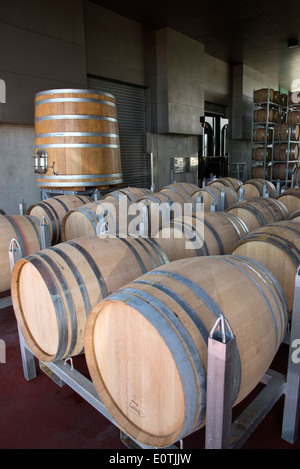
263, 115
291, 199
110, 217
294, 97
295, 216
212, 195
200, 234
76, 140
54, 210
262, 153
283, 171
296, 175
54, 290
262, 135
258, 172
146, 344
132, 193
26, 231
164, 206
181, 187
277, 247
286, 152
285, 132
294, 117
255, 188
234, 183
263, 95
259, 211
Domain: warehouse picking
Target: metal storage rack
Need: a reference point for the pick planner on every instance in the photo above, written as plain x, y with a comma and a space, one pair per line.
220, 431
267, 144
288, 162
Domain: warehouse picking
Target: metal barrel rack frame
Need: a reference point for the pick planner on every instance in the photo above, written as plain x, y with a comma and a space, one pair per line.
220, 431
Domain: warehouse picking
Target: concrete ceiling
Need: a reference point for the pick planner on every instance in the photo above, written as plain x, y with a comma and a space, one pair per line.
252, 32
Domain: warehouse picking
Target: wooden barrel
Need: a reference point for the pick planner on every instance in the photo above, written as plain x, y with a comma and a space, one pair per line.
277, 247
164, 206
285, 152
132, 193
258, 172
263, 95
283, 171
284, 99
294, 117
285, 132
262, 134
291, 199
165, 317
54, 290
26, 231
295, 216
294, 97
296, 175
54, 210
76, 140
200, 234
211, 195
255, 188
226, 181
262, 115
181, 187
262, 153
86, 220
259, 211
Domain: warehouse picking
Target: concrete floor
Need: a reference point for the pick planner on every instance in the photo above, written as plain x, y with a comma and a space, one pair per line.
39, 414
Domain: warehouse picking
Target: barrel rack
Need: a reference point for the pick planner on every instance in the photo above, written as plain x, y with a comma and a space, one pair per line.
220, 431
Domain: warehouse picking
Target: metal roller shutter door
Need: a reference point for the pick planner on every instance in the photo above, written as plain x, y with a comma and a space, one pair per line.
131, 110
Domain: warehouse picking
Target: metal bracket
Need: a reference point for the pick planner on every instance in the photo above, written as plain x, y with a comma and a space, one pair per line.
290, 426
220, 375
45, 233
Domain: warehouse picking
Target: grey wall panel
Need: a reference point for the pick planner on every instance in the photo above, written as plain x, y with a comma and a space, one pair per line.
131, 110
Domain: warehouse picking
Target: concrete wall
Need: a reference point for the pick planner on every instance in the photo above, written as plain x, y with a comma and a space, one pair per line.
42, 47
16, 175
244, 81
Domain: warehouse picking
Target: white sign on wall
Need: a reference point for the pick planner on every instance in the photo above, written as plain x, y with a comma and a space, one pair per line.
2, 91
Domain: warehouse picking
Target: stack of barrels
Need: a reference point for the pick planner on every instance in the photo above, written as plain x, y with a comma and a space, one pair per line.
275, 134
158, 295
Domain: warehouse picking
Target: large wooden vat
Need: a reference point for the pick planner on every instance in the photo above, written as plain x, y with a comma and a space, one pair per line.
26, 231
259, 211
212, 195
54, 290
87, 221
76, 140
277, 247
146, 345
255, 187
54, 209
291, 199
200, 234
